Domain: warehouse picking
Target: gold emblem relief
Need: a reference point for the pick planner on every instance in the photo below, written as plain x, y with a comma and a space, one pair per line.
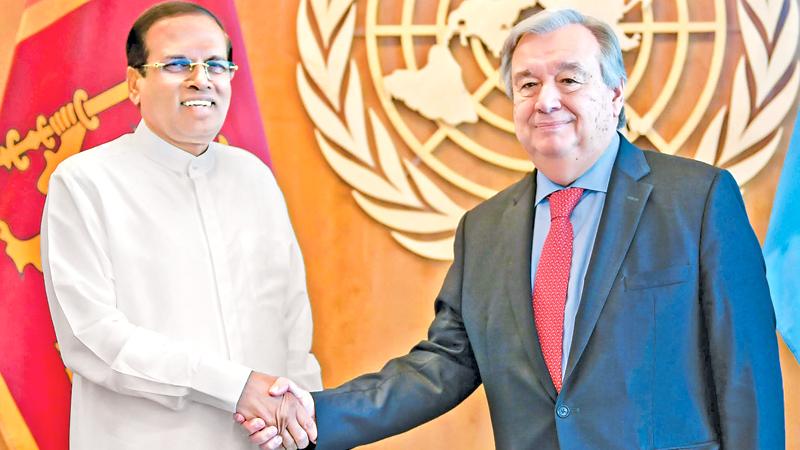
434, 68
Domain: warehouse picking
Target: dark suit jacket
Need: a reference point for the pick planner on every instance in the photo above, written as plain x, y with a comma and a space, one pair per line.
674, 343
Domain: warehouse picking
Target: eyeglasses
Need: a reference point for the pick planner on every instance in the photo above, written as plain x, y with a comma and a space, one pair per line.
214, 68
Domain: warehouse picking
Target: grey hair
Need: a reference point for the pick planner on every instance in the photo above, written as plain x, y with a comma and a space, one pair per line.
611, 66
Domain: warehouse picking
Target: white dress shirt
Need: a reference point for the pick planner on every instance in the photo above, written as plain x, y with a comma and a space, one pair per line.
170, 277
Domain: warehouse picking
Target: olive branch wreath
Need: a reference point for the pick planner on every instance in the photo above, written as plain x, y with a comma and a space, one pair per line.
745, 130
419, 214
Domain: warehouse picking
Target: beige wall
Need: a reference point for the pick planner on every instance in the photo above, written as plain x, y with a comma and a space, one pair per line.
372, 300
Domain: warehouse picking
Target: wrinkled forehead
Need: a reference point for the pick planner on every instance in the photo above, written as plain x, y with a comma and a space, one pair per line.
570, 45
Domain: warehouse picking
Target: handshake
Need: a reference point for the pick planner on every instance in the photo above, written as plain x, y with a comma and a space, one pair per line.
276, 413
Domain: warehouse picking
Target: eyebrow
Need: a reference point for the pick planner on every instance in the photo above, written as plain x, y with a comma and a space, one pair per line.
210, 58
521, 74
573, 66
568, 65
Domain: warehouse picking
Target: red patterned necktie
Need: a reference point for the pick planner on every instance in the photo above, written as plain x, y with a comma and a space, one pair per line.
552, 277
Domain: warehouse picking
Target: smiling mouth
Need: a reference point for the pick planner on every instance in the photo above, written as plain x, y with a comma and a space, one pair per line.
547, 125
199, 103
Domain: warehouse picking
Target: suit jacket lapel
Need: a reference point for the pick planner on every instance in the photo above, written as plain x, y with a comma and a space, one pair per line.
518, 233
625, 200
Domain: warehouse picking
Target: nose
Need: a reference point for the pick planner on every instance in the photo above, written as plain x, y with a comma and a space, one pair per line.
549, 98
199, 77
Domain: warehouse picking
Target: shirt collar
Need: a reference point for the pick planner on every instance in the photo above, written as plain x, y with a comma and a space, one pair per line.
594, 179
170, 156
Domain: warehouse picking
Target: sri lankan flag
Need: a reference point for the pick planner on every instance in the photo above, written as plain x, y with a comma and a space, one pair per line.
66, 93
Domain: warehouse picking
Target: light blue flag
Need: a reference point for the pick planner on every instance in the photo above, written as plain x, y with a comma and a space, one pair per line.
782, 247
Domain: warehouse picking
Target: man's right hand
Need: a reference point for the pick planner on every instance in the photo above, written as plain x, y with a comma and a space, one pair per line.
294, 423
263, 435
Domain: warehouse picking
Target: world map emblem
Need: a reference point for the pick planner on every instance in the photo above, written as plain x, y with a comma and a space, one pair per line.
439, 137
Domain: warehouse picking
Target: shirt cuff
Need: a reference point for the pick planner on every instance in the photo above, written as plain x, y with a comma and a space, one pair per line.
219, 382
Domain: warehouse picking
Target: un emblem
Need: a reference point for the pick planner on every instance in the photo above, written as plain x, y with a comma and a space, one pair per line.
440, 138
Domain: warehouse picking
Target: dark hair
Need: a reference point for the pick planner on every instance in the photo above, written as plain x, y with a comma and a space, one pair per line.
136, 50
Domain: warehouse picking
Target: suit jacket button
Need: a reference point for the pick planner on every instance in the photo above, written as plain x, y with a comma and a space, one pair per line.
563, 411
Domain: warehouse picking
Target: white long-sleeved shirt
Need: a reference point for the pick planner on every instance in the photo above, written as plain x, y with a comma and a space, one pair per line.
170, 277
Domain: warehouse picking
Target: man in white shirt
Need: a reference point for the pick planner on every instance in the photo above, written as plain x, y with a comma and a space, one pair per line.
173, 275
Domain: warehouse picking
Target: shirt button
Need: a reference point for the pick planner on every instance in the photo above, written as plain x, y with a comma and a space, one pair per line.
563, 411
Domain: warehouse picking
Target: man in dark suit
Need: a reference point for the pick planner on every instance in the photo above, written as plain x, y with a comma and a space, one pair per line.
613, 299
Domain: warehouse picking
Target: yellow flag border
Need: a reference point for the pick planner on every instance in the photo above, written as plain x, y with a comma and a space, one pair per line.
42, 14
14, 432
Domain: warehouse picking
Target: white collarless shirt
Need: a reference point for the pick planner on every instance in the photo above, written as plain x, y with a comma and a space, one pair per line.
170, 277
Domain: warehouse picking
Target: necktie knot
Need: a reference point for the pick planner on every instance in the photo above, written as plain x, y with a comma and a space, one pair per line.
563, 202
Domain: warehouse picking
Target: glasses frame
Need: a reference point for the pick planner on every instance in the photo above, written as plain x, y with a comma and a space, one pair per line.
192, 64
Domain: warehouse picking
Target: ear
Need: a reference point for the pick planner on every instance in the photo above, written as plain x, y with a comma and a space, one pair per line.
618, 98
133, 77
